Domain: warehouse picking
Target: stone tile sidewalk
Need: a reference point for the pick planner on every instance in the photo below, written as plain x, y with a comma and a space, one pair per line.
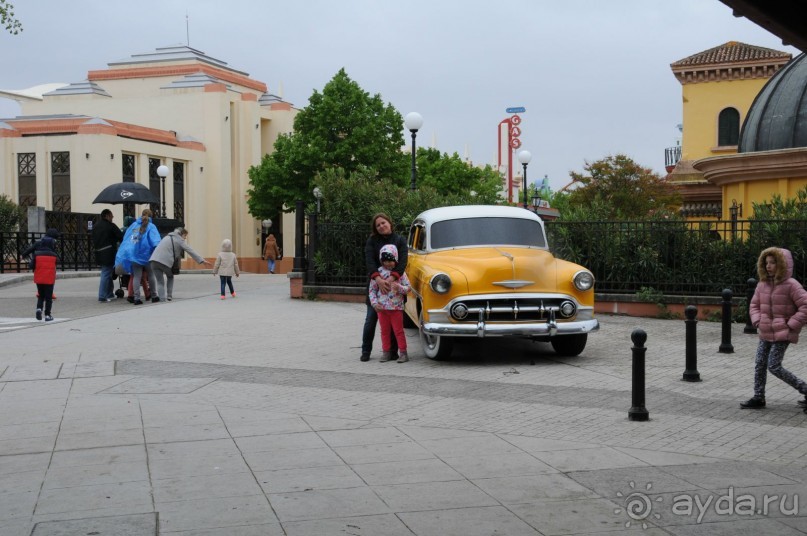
254, 416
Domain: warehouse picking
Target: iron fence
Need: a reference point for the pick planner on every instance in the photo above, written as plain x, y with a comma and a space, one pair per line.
674, 258
74, 249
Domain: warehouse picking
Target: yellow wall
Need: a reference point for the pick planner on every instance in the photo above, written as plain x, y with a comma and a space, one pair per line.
702, 105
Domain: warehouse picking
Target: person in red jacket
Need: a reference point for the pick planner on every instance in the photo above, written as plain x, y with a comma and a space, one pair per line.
778, 310
44, 263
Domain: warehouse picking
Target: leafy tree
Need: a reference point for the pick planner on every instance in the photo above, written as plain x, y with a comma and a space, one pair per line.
450, 175
341, 127
11, 215
7, 18
623, 189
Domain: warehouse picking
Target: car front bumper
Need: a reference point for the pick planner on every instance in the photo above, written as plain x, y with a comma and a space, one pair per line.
486, 329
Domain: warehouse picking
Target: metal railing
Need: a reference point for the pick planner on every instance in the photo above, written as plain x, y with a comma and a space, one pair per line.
74, 249
675, 258
672, 155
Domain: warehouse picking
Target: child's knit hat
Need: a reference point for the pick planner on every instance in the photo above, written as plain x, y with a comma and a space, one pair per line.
389, 253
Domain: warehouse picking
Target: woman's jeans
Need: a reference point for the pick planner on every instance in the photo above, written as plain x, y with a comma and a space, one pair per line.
137, 274
159, 270
106, 289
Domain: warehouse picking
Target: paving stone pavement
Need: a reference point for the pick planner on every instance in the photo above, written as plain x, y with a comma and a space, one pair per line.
254, 416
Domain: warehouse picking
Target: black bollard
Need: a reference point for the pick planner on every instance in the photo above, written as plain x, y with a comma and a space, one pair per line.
725, 343
749, 294
691, 373
637, 411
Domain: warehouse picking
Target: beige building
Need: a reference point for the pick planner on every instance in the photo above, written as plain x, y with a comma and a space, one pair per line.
207, 122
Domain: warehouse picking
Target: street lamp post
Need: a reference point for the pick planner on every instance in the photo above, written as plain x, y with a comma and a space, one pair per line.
524, 157
318, 195
162, 171
413, 121
536, 202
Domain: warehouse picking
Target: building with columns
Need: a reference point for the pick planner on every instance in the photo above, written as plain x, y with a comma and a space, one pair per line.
176, 106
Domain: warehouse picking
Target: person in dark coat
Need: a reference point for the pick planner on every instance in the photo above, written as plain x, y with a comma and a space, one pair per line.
51, 235
381, 234
105, 239
44, 264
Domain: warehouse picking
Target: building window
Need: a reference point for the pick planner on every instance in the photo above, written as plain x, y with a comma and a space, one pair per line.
728, 127
154, 185
128, 174
26, 179
60, 181
179, 191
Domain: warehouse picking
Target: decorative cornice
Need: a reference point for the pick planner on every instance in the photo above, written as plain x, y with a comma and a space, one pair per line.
730, 61
84, 125
176, 70
730, 169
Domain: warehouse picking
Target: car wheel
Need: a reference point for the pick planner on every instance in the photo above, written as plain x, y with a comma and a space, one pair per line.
569, 345
434, 346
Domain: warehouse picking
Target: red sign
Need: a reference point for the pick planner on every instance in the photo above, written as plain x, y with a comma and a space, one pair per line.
515, 132
515, 143
515, 120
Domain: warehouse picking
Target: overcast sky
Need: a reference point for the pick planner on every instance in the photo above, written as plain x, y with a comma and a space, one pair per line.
593, 75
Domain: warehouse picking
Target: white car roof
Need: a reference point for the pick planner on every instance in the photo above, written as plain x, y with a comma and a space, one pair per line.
475, 211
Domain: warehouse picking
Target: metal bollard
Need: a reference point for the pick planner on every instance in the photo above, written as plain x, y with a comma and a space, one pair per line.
749, 294
725, 343
637, 411
691, 373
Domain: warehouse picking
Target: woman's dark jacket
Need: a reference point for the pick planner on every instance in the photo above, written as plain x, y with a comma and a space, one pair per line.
105, 239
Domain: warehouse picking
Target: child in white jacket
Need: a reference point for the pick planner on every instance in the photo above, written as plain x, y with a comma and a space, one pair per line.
389, 305
226, 267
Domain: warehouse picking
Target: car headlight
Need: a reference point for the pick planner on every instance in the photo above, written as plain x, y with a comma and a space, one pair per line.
440, 283
583, 280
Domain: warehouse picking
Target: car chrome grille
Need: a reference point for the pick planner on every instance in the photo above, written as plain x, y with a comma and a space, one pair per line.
513, 310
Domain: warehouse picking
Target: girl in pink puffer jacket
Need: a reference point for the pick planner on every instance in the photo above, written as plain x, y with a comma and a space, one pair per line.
778, 310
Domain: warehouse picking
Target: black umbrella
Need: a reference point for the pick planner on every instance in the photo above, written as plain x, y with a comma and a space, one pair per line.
126, 192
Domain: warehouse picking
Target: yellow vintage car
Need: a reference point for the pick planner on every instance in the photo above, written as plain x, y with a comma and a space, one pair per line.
486, 271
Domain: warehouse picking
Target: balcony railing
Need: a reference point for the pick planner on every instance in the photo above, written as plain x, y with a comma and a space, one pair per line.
671, 157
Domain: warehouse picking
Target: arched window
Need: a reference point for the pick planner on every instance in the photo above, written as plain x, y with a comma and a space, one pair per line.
728, 127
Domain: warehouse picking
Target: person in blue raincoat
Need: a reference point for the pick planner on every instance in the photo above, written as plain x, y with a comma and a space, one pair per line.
139, 242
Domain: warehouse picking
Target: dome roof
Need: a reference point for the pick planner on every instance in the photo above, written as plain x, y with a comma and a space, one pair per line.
778, 117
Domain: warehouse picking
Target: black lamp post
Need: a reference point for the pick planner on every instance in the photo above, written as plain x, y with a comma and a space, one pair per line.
413, 121
734, 211
536, 202
524, 157
162, 171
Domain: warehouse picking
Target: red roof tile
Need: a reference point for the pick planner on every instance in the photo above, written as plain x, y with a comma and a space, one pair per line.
731, 52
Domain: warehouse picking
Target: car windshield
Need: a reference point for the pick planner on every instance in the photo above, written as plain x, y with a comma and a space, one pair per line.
487, 232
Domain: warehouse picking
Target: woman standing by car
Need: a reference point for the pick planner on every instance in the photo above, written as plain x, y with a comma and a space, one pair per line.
381, 234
